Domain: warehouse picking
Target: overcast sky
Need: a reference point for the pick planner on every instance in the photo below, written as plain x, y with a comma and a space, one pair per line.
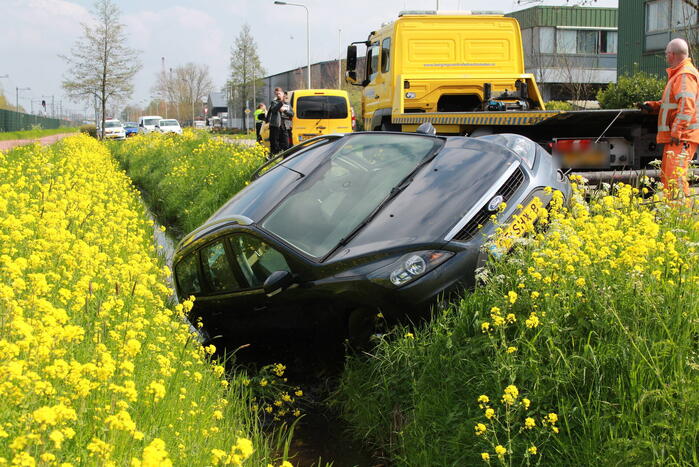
34, 32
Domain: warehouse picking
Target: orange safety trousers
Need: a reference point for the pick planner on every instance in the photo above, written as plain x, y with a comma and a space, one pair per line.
673, 169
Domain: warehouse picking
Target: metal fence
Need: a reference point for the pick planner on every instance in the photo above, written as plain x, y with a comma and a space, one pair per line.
18, 121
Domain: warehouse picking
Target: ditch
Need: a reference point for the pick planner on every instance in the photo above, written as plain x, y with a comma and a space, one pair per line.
321, 436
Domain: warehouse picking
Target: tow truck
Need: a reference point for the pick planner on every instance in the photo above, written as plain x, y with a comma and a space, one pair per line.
464, 73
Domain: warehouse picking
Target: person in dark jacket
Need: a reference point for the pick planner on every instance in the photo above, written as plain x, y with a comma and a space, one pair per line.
286, 124
277, 108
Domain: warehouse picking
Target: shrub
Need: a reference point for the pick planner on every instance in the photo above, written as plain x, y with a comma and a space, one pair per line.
89, 129
630, 90
559, 105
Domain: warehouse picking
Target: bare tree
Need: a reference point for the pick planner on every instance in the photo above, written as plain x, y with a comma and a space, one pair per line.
183, 88
101, 66
246, 68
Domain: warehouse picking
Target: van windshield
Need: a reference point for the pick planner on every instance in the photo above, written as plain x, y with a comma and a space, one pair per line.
321, 107
341, 193
151, 121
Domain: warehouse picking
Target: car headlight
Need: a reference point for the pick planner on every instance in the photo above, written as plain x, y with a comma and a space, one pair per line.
416, 264
520, 145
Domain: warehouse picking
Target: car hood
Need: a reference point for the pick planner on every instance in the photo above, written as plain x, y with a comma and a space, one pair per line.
441, 193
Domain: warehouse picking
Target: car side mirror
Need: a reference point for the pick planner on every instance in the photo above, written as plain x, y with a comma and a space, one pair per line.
140, 125
277, 281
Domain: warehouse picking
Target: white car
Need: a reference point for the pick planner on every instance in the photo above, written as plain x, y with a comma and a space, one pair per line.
169, 126
148, 123
113, 129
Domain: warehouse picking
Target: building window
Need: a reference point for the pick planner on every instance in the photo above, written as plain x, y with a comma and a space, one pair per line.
547, 40
665, 17
566, 40
587, 42
608, 42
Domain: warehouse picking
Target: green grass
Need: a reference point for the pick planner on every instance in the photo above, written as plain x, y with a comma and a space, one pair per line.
186, 178
34, 134
615, 354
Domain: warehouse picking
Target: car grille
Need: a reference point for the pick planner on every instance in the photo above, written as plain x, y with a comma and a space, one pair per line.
483, 215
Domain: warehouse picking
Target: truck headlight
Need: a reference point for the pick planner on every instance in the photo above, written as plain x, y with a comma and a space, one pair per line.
410, 95
414, 265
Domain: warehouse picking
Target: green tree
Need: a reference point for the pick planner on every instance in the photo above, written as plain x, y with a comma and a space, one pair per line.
246, 69
101, 66
630, 90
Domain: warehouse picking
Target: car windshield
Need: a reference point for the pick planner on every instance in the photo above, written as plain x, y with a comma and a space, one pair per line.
168, 123
322, 107
112, 124
151, 121
345, 189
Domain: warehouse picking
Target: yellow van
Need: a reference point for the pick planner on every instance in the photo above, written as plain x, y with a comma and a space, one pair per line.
317, 112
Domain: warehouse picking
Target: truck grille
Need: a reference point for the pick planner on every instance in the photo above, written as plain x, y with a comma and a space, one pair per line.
483, 215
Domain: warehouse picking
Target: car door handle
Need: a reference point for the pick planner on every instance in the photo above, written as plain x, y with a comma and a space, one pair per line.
259, 308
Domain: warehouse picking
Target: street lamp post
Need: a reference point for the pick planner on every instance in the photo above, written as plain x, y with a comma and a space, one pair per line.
308, 36
17, 90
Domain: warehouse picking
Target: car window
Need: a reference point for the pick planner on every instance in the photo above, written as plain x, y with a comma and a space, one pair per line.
373, 61
345, 188
385, 55
256, 259
151, 121
187, 275
315, 107
217, 269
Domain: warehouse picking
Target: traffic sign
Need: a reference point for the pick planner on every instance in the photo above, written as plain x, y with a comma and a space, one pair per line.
247, 111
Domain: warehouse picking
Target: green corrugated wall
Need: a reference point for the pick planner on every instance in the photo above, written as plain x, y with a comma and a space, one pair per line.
632, 26
566, 16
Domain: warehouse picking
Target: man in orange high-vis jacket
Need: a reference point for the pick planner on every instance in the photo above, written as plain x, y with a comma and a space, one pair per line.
678, 125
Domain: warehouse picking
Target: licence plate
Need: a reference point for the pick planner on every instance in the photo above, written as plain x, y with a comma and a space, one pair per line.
522, 223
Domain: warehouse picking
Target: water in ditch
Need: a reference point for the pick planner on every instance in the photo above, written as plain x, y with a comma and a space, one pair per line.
321, 437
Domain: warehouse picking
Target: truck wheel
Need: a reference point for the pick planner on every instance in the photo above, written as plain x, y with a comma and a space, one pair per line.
481, 131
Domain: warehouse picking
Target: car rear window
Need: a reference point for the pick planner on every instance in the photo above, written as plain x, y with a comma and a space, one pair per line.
321, 107
187, 275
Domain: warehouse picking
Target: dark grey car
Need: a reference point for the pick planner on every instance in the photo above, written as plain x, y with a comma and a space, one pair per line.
347, 226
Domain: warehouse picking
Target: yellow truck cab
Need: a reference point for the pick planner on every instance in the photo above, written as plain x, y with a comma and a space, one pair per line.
316, 112
434, 66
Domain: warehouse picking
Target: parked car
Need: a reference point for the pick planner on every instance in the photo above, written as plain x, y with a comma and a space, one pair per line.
147, 123
131, 129
169, 126
113, 129
346, 226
